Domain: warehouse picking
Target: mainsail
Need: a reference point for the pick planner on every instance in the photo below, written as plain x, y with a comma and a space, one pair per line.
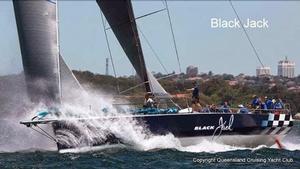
38, 37
120, 16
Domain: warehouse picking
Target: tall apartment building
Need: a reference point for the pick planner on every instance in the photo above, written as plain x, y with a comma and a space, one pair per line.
263, 71
286, 68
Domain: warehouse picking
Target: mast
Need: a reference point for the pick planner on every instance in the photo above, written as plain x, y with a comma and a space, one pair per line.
58, 48
120, 16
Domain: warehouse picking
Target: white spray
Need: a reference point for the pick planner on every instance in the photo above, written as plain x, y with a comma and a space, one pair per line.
15, 106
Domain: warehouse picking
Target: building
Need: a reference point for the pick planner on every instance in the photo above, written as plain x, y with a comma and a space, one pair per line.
191, 71
286, 68
263, 71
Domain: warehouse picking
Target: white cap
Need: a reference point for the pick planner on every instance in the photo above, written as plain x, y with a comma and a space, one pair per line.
240, 106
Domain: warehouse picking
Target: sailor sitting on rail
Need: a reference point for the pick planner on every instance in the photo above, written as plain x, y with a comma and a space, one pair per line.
226, 108
242, 109
149, 102
213, 108
255, 102
269, 103
278, 104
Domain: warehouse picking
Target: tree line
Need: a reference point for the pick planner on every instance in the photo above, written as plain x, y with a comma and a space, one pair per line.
214, 89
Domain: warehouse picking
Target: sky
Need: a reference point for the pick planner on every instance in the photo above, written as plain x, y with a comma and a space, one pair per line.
83, 45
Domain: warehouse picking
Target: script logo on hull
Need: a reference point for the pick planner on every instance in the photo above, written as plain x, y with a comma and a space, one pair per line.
223, 126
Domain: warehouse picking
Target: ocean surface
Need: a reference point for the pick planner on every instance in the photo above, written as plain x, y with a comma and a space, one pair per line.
204, 155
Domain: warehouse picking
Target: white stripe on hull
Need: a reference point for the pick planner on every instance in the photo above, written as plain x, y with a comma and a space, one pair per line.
234, 140
275, 131
284, 132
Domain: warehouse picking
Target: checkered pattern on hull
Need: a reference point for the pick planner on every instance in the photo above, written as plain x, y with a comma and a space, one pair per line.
277, 124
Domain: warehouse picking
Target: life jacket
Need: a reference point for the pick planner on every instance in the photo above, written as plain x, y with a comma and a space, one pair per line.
243, 110
263, 106
270, 104
255, 102
278, 105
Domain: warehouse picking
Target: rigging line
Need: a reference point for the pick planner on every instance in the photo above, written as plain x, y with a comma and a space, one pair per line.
173, 36
155, 54
144, 83
247, 35
151, 13
110, 54
139, 17
174, 42
43, 134
175, 104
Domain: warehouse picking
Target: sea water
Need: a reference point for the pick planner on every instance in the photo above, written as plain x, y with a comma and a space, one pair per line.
204, 155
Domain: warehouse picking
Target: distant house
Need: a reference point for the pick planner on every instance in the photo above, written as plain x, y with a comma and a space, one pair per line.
294, 89
233, 82
194, 78
291, 84
191, 71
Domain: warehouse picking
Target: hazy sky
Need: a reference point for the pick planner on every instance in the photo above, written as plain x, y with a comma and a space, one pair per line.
83, 45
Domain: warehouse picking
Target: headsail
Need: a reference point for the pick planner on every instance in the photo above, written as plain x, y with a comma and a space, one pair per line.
70, 87
120, 17
156, 88
38, 36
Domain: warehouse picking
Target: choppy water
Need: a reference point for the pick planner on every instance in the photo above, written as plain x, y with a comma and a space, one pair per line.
204, 155
128, 158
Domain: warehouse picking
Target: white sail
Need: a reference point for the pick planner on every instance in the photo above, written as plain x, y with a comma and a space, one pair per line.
48, 78
70, 87
38, 35
156, 88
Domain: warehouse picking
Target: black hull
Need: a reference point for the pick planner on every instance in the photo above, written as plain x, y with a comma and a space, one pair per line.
192, 126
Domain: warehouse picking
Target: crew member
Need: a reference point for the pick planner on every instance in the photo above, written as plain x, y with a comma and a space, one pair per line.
255, 102
195, 98
226, 108
213, 108
242, 109
269, 103
278, 104
149, 102
263, 106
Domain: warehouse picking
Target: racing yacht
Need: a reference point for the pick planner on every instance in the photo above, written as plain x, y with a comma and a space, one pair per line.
46, 74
